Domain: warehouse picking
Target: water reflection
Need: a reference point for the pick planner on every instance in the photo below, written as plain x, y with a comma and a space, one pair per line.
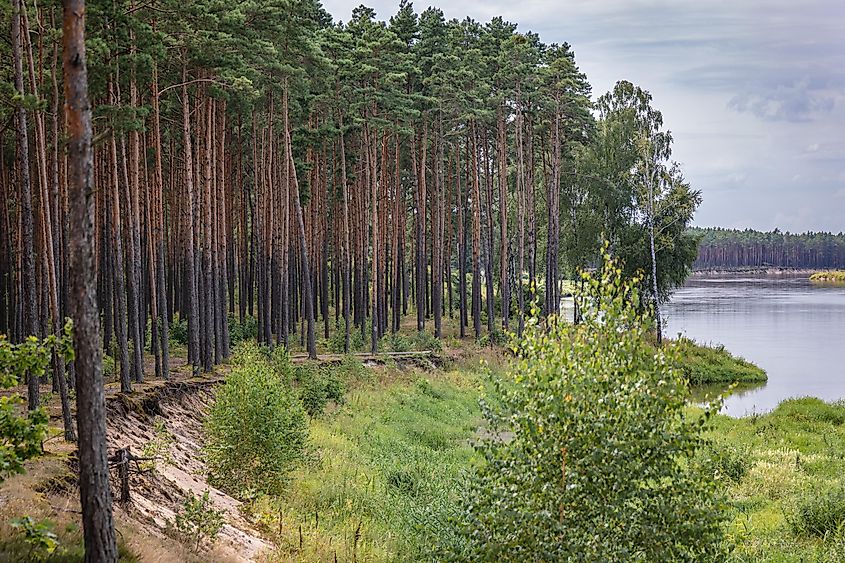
703, 394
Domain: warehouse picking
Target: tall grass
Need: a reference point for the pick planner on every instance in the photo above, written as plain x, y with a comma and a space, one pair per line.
383, 479
787, 483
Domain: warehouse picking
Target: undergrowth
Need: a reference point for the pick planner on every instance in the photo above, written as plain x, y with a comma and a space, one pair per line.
382, 483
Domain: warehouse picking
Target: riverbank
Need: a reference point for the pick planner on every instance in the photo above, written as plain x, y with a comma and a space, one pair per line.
834, 276
757, 270
707, 365
782, 475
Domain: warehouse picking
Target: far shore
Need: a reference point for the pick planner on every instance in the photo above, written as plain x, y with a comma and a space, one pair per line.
773, 270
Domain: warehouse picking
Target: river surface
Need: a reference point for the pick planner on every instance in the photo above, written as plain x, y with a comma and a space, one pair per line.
792, 328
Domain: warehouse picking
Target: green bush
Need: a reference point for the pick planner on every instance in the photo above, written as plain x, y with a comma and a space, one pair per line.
593, 454
818, 513
335, 387
179, 331
109, 368
728, 461
394, 342
22, 435
256, 431
337, 339
39, 536
313, 392
423, 341
198, 521
318, 385
242, 331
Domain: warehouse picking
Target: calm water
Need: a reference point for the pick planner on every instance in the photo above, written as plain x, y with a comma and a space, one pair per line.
793, 329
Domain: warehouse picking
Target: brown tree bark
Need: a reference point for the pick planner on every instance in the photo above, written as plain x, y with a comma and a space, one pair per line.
94, 491
30, 318
306, 272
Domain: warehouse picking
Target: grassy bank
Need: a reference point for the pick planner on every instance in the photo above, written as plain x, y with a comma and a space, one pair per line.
835, 276
783, 473
381, 482
714, 364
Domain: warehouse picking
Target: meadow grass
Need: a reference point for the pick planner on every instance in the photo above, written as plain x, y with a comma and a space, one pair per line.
786, 486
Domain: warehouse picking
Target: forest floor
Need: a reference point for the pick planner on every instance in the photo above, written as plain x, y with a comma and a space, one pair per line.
385, 466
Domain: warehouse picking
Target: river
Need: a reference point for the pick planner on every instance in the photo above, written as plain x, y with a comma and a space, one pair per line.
792, 328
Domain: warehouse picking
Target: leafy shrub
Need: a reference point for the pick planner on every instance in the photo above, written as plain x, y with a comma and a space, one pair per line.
279, 361
313, 393
21, 435
109, 368
39, 536
394, 342
198, 521
729, 461
242, 331
319, 385
335, 388
337, 339
599, 460
179, 331
818, 513
423, 341
256, 431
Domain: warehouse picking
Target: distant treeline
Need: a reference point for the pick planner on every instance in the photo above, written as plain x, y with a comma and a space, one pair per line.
733, 248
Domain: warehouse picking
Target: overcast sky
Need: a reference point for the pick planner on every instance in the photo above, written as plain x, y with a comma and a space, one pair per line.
753, 91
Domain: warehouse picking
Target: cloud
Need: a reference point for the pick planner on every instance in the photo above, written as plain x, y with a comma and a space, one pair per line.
795, 102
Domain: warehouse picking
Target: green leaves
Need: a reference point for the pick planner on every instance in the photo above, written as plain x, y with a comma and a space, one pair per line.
199, 521
256, 430
21, 435
594, 457
38, 535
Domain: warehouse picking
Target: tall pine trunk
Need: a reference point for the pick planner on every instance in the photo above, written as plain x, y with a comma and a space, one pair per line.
94, 491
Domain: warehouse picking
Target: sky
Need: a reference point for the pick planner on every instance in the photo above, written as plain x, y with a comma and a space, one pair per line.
752, 90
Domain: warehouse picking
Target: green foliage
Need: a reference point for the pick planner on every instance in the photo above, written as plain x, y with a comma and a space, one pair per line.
788, 503
241, 331
158, 447
256, 431
743, 248
39, 536
198, 521
593, 453
706, 364
337, 339
818, 513
179, 331
387, 464
312, 391
726, 461
109, 367
21, 435
318, 385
